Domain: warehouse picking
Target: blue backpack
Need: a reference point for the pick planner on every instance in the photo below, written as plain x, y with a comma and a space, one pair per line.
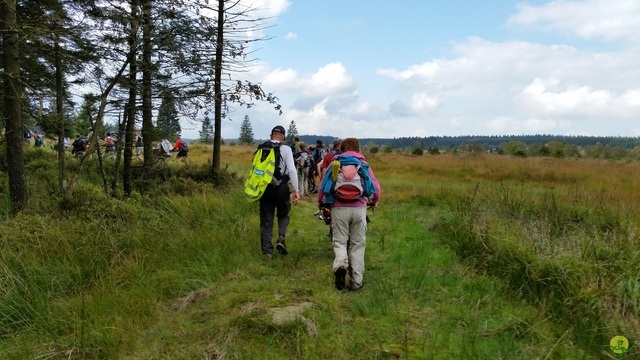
348, 180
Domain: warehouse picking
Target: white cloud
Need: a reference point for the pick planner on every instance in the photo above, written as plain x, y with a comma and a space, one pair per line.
589, 19
328, 80
547, 97
582, 100
291, 36
511, 126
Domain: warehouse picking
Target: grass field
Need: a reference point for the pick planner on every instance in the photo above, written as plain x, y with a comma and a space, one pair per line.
468, 257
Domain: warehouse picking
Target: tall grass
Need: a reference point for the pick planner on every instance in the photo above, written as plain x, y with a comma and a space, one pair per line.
175, 271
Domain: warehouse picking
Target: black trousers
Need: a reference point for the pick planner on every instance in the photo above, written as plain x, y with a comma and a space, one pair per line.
275, 202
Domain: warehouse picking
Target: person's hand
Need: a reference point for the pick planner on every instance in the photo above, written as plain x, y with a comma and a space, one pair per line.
296, 198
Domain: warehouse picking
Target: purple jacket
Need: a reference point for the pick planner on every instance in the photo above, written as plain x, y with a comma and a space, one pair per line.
363, 202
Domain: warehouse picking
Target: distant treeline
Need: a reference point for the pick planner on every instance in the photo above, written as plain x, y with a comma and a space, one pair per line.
451, 142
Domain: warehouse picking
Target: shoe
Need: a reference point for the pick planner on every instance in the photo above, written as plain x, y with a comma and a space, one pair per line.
353, 287
267, 256
340, 275
281, 248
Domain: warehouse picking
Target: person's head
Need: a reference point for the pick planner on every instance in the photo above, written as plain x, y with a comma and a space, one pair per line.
318, 143
108, 134
303, 146
336, 144
350, 144
77, 136
296, 139
278, 133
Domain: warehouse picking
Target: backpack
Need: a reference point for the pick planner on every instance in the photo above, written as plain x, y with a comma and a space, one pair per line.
303, 162
295, 150
38, 141
320, 153
348, 180
265, 170
109, 141
184, 147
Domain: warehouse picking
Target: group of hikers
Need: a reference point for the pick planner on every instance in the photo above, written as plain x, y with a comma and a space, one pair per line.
162, 150
345, 184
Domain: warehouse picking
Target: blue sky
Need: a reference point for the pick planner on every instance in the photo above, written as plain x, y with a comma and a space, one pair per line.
430, 67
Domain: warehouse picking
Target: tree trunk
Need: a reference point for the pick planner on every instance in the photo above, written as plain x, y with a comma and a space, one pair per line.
60, 114
131, 107
147, 115
12, 107
217, 137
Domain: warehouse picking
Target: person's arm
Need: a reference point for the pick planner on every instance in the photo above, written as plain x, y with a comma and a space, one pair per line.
290, 167
376, 197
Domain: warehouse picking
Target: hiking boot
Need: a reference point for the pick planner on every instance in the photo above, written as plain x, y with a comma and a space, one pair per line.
340, 275
280, 247
354, 287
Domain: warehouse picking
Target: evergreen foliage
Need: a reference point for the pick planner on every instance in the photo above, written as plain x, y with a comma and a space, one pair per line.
246, 131
291, 133
206, 134
168, 125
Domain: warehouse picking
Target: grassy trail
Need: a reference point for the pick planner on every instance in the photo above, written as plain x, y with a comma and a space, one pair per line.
417, 303
181, 276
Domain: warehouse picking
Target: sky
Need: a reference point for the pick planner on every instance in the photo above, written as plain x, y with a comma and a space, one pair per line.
380, 69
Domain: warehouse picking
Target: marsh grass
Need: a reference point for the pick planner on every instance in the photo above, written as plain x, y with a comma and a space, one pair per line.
175, 270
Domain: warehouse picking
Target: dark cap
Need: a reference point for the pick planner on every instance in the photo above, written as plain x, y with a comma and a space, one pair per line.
278, 129
336, 143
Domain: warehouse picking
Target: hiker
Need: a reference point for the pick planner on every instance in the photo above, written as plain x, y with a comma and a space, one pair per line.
183, 150
335, 150
26, 134
303, 163
139, 145
318, 154
110, 145
276, 199
38, 140
348, 217
79, 146
295, 148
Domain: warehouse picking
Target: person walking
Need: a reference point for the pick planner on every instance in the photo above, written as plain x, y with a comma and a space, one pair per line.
182, 148
276, 200
303, 169
349, 225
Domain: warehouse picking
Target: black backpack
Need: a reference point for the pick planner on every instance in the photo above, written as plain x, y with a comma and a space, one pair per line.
185, 147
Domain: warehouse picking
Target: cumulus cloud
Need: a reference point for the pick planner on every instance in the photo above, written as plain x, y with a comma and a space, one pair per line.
547, 97
329, 79
291, 36
511, 126
589, 19
419, 104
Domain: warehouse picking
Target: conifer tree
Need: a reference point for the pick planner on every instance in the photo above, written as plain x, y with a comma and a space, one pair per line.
168, 126
206, 134
246, 131
293, 132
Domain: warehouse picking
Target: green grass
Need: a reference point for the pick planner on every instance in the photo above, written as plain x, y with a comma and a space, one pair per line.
453, 271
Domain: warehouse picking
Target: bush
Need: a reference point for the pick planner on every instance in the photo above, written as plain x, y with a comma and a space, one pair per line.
417, 151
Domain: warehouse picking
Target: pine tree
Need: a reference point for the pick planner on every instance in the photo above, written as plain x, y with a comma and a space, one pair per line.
206, 134
246, 131
168, 126
293, 132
